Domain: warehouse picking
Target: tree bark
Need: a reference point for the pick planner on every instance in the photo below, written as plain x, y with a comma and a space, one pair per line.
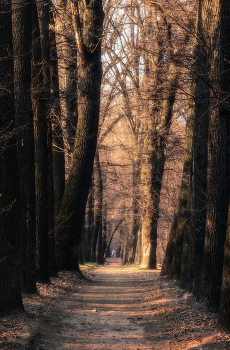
135, 206
193, 243
138, 249
40, 109
76, 192
104, 230
57, 137
224, 311
22, 44
10, 235
172, 259
44, 13
67, 67
153, 170
88, 227
98, 202
218, 144
96, 242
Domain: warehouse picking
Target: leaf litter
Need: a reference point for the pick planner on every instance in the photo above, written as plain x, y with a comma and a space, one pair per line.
118, 307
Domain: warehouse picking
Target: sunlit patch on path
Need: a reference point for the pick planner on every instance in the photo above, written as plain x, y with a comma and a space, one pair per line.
119, 307
130, 308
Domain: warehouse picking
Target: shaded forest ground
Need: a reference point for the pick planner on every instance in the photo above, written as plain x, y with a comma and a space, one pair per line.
118, 307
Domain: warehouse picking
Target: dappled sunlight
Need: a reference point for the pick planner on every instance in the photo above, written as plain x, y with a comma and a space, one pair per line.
132, 308
118, 307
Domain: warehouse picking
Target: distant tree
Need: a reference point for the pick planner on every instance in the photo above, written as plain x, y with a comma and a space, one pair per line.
145, 74
98, 208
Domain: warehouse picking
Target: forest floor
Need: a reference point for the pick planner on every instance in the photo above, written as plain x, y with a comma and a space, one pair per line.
118, 307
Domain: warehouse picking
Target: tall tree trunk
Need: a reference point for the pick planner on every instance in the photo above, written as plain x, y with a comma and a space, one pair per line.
22, 44
98, 205
153, 170
224, 311
218, 144
183, 258
44, 16
51, 205
135, 207
193, 243
76, 192
137, 228
58, 143
134, 39
172, 259
10, 235
104, 230
139, 247
98, 198
67, 67
56, 150
94, 226
40, 109
99, 256
156, 68
88, 227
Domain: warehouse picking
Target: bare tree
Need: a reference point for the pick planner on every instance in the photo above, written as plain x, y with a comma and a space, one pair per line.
10, 235
88, 28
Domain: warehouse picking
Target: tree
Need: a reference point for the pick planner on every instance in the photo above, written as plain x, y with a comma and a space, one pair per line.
195, 252
171, 264
44, 17
67, 71
218, 152
195, 227
10, 234
72, 210
98, 200
40, 86
88, 227
182, 244
154, 163
56, 148
22, 45
57, 137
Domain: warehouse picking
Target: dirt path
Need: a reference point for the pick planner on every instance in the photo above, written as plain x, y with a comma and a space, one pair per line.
107, 314
121, 308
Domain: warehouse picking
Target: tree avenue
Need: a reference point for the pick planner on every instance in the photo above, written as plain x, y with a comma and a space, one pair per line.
114, 138
197, 249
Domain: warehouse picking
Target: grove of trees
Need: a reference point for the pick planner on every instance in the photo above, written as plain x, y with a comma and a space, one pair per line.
114, 132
